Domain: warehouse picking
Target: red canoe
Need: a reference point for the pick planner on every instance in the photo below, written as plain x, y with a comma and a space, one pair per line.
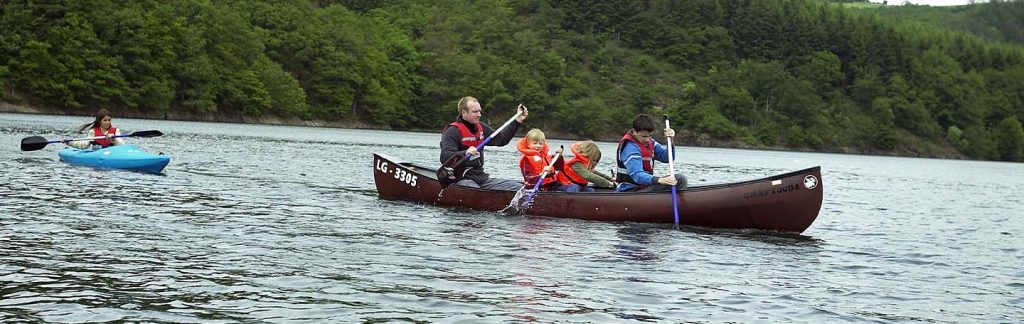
788, 203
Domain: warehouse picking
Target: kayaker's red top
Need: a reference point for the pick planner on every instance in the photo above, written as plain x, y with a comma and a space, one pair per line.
103, 141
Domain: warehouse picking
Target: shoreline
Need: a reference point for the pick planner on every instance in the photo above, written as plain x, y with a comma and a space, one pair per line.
686, 138
179, 116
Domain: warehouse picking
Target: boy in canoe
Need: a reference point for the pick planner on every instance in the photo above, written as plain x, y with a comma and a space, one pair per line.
636, 154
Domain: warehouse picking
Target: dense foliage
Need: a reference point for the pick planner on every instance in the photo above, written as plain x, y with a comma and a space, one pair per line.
799, 74
996, 20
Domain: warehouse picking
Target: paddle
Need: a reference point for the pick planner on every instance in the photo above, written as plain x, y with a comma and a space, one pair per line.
33, 143
455, 167
672, 172
529, 198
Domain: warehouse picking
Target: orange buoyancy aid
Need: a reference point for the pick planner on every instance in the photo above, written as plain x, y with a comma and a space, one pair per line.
568, 175
467, 138
534, 161
97, 132
646, 155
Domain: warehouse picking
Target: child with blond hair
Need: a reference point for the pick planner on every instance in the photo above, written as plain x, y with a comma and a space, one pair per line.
536, 161
579, 170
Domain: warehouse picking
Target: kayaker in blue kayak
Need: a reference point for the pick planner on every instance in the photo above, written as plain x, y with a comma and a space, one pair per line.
97, 128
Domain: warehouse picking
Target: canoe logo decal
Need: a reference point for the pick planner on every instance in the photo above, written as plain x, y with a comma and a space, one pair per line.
810, 181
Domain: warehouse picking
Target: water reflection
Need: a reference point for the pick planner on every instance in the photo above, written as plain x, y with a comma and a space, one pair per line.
754, 235
635, 241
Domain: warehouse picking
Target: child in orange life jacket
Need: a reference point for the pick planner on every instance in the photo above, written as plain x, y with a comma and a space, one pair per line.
580, 169
536, 160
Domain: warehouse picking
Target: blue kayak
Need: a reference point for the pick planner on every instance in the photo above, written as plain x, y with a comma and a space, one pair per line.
124, 157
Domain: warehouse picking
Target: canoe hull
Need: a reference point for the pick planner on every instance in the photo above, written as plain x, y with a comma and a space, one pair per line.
788, 203
123, 157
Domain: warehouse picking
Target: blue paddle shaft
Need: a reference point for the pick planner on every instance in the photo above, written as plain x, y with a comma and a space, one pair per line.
149, 133
672, 172
536, 187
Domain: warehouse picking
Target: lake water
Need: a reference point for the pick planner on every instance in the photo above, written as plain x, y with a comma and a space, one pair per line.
255, 223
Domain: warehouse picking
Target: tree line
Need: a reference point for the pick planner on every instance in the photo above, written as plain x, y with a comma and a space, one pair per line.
793, 74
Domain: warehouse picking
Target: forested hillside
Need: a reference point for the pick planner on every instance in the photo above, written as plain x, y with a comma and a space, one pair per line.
998, 20
793, 74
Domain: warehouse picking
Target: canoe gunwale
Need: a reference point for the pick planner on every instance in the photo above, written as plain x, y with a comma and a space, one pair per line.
428, 172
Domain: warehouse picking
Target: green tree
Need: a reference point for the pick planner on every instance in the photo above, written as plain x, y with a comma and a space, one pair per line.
705, 118
143, 35
61, 59
1010, 139
910, 113
955, 137
822, 69
3, 80
758, 27
980, 143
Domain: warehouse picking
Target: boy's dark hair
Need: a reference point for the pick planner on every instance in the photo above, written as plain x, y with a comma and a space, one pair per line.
643, 122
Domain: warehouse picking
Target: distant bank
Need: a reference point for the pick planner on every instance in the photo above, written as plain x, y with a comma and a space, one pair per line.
187, 116
687, 137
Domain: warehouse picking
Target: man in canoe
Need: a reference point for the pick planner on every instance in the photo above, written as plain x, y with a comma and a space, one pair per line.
467, 131
636, 152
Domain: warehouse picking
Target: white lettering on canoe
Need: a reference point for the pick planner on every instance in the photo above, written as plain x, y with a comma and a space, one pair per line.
400, 174
408, 178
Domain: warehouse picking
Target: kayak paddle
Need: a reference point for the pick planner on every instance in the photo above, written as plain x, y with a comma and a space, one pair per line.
33, 143
455, 167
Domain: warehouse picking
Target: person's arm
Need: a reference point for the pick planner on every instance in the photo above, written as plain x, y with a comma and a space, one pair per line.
635, 165
509, 132
503, 138
593, 177
606, 177
661, 152
450, 144
117, 141
529, 177
78, 144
